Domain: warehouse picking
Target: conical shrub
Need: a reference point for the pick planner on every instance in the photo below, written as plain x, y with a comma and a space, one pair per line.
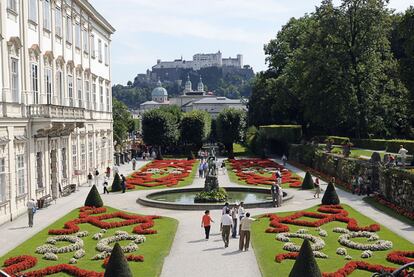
190, 155
117, 264
305, 264
116, 184
94, 199
308, 182
330, 197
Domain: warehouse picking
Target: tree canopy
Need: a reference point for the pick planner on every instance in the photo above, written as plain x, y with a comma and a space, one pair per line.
123, 122
159, 128
231, 124
195, 128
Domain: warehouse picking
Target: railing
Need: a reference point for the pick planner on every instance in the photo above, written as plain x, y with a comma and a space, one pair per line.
53, 111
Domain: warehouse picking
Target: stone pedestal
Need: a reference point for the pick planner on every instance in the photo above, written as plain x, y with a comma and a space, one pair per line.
211, 183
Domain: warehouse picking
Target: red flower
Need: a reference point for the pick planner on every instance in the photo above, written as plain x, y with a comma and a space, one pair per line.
350, 267
291, 255
130, 258
401, 257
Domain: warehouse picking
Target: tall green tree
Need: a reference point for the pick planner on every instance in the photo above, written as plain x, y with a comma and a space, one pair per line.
231, 125
159, 128
195, 128
122, 120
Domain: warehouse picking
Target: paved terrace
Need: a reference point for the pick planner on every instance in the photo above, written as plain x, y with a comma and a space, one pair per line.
190, 253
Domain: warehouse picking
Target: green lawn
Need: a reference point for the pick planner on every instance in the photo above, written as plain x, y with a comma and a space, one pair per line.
357, 153
154, 249
388, 211
267, 247
241, 151
187, 181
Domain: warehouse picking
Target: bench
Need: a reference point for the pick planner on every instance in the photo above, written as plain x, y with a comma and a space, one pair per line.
44, 201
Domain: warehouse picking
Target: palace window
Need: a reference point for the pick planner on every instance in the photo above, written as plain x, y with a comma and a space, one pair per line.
93, 46
20, 174
100, 50
3, 196
70, 90
74, 157
79, 89
83, 156
46, 14
108, 108
77, 36
85, 41
48, 85
59, 86
14, 66
106, 54
90, 145
39, 170
12, 5
64, 164
33, 11
88, 91
35, 82
69, 29
58, 21
101, 98
94, 95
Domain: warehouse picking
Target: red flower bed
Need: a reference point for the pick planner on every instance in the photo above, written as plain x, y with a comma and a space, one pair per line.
291, 255
395, 207
260, 165
147, 179
350, 267
327, 214
71, 227
401, 257
20, 263
130, 258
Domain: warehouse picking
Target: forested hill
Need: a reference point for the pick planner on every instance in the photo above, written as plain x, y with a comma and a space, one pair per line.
232, 83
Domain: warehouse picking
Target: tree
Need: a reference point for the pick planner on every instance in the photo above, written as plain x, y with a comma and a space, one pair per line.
305, 264
116, 184
195, 128
308, 182
117, 264
159, 128
231, 125
122, 121
93, 199
330, 197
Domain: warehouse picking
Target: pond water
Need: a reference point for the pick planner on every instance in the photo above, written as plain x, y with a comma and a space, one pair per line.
233, 197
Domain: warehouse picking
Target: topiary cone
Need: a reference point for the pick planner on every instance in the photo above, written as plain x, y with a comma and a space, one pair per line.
117, 264
93, 199
116, 184
308, 182
330, 197
305, 264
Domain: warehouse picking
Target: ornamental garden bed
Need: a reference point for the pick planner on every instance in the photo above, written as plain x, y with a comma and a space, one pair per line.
163, 174
343, 240
260, 172
80, 241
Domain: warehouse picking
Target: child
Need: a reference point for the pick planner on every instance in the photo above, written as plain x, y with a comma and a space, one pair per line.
105, 185
206, 223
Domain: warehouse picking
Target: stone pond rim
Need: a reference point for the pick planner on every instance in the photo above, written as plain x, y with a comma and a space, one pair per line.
145, 201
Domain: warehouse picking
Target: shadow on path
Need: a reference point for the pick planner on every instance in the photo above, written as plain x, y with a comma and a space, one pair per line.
213, 249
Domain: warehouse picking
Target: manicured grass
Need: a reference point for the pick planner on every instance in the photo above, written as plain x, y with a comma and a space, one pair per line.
187, 181
388, 211
267, 247
241, 151
154, 249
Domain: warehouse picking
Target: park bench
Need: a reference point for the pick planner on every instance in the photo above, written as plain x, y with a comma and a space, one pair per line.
44, 201
67, 190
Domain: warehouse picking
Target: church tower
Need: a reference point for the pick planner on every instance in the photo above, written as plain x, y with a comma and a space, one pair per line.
188, 85
200, 86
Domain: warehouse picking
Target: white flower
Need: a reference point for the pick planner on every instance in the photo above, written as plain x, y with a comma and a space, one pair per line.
302, 231
347, 257
73, 261
104, 244
101, 255
323, 233
366, 254
79, 254
97, 236
341, 251
77, 243
50, 256
317, 242
340, 230
377, 246
82, 234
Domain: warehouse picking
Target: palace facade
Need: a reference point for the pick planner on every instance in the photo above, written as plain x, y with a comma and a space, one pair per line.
55, 99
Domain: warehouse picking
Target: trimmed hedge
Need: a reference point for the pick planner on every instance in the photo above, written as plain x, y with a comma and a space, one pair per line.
392, 146
330, 197
308, 182
94, 199
117, 264
305, 264
338, 140
116, 184
284, 133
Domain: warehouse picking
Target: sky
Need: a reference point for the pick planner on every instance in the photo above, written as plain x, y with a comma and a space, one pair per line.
147, 30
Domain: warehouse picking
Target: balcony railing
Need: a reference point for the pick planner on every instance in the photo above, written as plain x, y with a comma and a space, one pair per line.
56, 112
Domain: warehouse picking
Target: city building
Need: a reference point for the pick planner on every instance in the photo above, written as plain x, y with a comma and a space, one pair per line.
56, 106
159, 96
215, 105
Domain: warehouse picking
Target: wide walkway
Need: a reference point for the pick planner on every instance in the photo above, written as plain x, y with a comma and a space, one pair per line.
190, 255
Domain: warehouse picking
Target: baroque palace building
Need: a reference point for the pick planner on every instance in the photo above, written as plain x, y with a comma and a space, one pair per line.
55, 91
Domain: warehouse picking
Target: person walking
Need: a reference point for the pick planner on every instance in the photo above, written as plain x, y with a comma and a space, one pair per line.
31, 210
90, 177
273, 191
284, 159
205, 169
354, 184
279, 196
226, 223
206, 223
317, 188
105, 185
234, 213
403, 155
241, 214
278, 175
108, 172
201, 169
134, 163
244, 240
123, 183
360, 184
96, 176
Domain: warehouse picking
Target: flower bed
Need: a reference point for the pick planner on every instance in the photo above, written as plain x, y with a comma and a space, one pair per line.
394, 207
352, 244
262, 172
47, 256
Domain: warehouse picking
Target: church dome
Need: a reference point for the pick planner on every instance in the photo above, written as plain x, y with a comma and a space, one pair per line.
159, 91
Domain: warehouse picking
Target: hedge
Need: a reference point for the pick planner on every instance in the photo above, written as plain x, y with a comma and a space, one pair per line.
392, 146
284, 133
338, 140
